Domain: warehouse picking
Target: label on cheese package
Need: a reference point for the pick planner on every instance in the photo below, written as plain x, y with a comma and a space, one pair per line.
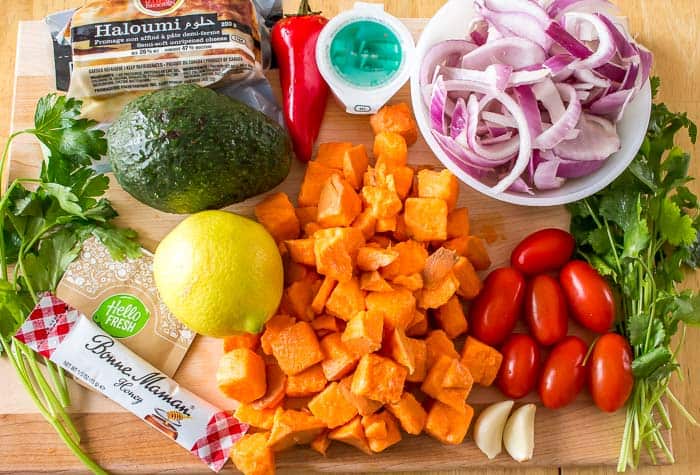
74, 342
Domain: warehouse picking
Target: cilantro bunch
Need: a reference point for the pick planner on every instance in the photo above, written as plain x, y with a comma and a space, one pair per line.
43, 224
642, 233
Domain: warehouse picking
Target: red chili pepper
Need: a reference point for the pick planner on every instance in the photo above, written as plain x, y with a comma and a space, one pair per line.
304, 92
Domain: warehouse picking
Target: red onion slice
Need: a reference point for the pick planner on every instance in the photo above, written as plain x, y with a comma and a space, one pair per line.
545, 176
597, 140
515, 52
563, 125
438, 102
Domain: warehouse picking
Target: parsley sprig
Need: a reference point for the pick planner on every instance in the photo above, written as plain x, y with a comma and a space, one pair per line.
641, 232
43, 224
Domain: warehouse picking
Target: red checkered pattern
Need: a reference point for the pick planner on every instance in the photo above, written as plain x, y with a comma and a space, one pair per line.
222, 431
48, 325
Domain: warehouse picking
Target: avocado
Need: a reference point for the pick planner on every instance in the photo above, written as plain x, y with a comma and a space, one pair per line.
187, 148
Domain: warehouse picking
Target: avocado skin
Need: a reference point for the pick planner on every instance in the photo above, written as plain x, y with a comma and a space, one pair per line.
187, 148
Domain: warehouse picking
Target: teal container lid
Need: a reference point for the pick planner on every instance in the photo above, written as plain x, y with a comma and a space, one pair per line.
365, 55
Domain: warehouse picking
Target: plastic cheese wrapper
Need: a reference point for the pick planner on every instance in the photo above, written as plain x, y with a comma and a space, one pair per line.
121, 49
74, 342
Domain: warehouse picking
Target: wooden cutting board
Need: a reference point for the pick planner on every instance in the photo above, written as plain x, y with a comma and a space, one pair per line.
578, 435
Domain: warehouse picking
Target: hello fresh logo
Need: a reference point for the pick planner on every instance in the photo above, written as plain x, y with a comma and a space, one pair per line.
121, 315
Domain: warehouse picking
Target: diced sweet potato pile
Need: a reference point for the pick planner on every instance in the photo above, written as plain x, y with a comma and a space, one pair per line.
378, 261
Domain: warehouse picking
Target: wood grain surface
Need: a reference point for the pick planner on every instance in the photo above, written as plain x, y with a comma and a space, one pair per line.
579, 436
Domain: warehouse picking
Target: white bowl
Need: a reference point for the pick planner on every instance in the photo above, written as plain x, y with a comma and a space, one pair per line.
451, 22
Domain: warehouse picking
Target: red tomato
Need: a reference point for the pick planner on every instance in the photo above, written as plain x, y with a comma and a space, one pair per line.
543, 251
545, 310
520, 367
589, 295
495, 311
610, 372
563, 375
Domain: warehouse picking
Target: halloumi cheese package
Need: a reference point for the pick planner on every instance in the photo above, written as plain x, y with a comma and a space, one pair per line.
125, 48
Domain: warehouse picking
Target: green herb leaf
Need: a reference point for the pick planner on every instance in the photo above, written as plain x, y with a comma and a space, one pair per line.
675, 227
645, 365
121, 242
637, 328
56, 253
687, 308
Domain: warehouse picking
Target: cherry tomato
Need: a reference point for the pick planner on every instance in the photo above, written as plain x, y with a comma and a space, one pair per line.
543, 251
589, 295
610, 372
563, 375
546, 312
520, 367
497, 308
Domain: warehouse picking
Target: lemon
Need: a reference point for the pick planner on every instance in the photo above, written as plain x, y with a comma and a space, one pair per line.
219, 273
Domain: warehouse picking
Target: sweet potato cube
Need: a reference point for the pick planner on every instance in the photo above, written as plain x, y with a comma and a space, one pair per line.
353, 434
434, 383
296, 348
447, 424
438, 343
273, 327
411, 282
346, 300
476, 253
292, 427
438, 266
366, 223
434, 380
401, 233
331, 154
294, 272
297, 404
391, 433
411, 260
241, 375
276, 387
331, 407
373, 281
319, 301
390, 149
469, 282
321, 443
251, 455
386, 225
451, 318
258, 418
458, 223
338, 203
311, 228
364, 405
315, 178
276, 214
440, 295
306, 215
396, 118
338, 359
301, 251
403, 180
442, 185
355, 164
420, 358
379, 378
307, 383
299, 296
336, 251
419, 324
380, 241
382, 201
401, 350
410, 413
371, 258
482, 360
363, 333
241, 340
458, 376
397, 307
458, 244
426, 219
324, 323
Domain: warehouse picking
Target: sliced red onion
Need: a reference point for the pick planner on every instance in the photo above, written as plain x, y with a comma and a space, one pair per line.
645, 58
613, 105
466, 156
546, 92
597, 140
578, 168
558, 63
499, 75
589, 77
527, 7
502, 135
528, 102
439, 53
545, 176
567, 41
624, 47
612, 72
459, 118
631, 79
606, 45
564, 124
520, 186
499, 119
516, 52
479, 31
438, 102
559, 7
521, 25
491, 152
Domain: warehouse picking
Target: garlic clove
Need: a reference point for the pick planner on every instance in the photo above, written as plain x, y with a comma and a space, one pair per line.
488, 428
519, 433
